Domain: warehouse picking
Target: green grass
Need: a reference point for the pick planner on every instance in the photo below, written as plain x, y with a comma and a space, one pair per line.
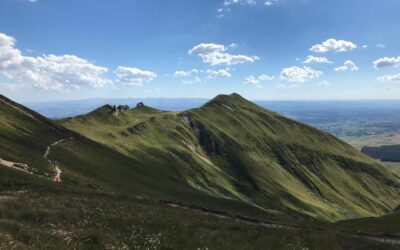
44, 216
392, 166
385, 225
236, 158
243, 152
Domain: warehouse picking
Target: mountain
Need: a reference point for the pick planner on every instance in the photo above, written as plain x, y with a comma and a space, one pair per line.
234, 150
217, 177
36, 146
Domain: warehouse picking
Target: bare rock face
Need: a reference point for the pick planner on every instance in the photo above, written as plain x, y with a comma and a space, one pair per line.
205, 137
140, 105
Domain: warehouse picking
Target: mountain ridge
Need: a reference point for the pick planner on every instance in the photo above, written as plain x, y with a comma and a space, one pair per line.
224, 146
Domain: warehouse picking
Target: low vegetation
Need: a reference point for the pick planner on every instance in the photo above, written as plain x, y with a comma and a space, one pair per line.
207, 178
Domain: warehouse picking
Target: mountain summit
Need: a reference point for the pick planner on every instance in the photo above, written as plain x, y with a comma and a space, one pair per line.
233, 149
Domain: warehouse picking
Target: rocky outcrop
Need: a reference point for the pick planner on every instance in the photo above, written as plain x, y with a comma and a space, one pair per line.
116, 109
206, 139
140, 105
123, 107
137, 129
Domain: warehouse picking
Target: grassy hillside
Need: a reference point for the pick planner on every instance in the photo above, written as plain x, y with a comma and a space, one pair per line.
25, 139
25, 135
392, 166
233, 149
165, 188
48, 216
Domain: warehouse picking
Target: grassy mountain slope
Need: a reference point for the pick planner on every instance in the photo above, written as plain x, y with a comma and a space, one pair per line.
25, 139
233, 149
25, 135
109, 199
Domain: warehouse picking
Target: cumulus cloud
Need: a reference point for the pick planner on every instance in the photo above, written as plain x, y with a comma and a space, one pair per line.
348, 65
315, 59
218, 73
299, 75
333, 45
181, 73
382, 46
256, 81
134, 76
389, 78
49, 72
387, 62
216, 54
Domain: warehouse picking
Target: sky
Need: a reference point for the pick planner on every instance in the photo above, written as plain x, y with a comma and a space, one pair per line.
262, 49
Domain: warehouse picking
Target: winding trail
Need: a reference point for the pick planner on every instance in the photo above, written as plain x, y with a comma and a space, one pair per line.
54, 163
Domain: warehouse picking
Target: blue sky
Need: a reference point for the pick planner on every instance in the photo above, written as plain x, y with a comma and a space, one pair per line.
73, 49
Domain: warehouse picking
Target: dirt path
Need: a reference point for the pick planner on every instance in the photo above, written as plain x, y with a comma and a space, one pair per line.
392, 240
17, 166
53, 163
27, 169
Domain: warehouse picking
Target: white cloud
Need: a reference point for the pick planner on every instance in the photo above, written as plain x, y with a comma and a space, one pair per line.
134, 76
251, 2
193, 81
382, 46
226, 7
242, 2
256, 81
348, 65
12, 86
271, 2
218, 73
233, 45
182, 73
333, 45
315, 59
216, 54
49, 72
300, 75
252, 80
264, 77
387, 62
324, 83
387, 78
365, 46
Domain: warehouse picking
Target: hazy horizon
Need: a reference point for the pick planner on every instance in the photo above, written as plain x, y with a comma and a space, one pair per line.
263, 50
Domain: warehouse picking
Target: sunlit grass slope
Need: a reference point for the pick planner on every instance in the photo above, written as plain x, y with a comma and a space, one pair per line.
25, 137
230, 148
